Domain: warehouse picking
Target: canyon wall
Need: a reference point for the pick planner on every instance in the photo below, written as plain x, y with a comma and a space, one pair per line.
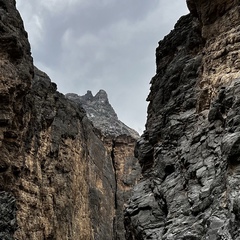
60, 177
189, 152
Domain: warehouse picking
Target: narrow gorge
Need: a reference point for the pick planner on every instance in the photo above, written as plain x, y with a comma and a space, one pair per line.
70, 169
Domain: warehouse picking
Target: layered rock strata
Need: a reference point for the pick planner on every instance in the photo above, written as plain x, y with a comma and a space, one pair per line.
59, 176
127, 173
189, 152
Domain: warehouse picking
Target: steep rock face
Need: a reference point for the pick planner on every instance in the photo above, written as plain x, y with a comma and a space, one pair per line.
15, 78
119, 140
171, 111
16, 67
127, 173
74, 168
60, 176
220, 29
57, 169
189, 152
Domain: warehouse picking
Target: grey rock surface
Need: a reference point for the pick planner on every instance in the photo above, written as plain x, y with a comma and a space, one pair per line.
189, 152
8, 221
102, 114
62, 178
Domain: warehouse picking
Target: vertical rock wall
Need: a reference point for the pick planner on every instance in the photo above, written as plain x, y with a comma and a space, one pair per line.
220, 30
46, 166
189, 152
127, 174
16, 71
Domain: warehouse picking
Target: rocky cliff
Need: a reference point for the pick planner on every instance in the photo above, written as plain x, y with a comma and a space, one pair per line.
61, 178
189, 152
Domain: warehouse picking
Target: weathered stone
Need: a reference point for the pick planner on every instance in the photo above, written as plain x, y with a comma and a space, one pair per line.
194, 155
119, 140
63, 177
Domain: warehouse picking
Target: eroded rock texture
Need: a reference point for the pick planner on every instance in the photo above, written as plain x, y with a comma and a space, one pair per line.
189, 152
60, 177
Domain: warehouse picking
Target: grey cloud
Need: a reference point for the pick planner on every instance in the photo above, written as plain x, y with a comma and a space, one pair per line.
106, 45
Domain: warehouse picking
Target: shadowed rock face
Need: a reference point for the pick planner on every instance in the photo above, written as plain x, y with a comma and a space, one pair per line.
8, 223
16, 73
210, 11
189, 152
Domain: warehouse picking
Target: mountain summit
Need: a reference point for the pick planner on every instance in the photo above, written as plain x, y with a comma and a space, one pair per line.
102, 114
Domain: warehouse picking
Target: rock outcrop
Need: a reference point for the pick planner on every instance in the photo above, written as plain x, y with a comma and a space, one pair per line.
189, 152
60, 177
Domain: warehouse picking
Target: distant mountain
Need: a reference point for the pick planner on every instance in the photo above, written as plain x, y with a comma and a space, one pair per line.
102, 114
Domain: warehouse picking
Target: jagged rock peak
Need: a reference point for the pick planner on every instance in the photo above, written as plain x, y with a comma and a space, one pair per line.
102, 95
100, 99
88, 96
102, 114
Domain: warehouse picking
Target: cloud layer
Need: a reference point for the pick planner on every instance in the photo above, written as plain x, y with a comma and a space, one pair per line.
106, 44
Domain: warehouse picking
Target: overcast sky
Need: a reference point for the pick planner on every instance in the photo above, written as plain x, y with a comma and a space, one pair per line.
101, 44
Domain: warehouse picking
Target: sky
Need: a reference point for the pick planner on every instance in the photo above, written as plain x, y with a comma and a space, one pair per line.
101, 44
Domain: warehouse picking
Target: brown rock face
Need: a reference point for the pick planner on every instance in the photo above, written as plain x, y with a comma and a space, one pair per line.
16, 72
48, 164
16, 68
189, 152
220, 30
60, 178
127, 173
